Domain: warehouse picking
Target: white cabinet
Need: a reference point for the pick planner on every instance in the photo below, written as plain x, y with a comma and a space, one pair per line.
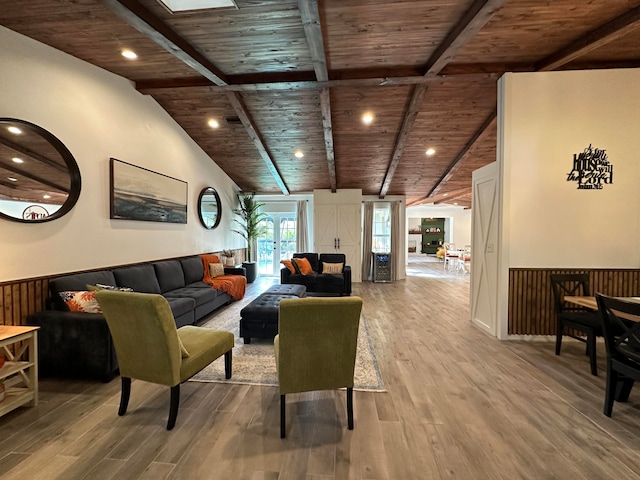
337, 226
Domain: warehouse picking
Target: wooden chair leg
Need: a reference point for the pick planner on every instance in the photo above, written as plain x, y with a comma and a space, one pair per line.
228, 363
350, 407
282, 416
623, 389
173, 409
591, 348
612, 380
124, 395
559, 330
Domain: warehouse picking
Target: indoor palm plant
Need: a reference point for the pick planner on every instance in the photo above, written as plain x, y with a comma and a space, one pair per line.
249, 226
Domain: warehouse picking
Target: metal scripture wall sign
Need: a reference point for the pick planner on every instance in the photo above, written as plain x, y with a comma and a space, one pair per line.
591, 169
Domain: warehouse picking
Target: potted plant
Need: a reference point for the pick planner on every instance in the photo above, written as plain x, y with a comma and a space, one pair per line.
229, 261
249, 221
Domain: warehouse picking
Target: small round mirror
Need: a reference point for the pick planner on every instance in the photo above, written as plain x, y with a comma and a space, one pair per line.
39, 178
209, 208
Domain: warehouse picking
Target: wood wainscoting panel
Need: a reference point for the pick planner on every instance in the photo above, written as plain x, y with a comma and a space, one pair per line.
21, 298
531, 309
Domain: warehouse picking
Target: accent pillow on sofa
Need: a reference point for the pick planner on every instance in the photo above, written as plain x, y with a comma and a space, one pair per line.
216, 270
303, 264
332, 267
289, 265
81, 301
100, 286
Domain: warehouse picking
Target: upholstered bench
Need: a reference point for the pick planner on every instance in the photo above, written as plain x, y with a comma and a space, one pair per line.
287, 289
259, 319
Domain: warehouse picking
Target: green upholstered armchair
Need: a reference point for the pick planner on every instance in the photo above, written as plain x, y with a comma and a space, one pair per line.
316, 347
150, 348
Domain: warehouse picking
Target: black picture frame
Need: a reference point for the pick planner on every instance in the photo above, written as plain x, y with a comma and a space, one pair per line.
209, 208
140, 194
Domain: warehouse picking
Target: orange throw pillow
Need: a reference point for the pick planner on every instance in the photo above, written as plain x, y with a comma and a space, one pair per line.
303, 265
289, 265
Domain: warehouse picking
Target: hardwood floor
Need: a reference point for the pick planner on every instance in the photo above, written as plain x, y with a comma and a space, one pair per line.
458, 405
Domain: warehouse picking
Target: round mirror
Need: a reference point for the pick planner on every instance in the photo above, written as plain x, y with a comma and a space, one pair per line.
209, 207
39, 178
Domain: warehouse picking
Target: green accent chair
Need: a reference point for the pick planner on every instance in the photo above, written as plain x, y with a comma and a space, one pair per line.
150, 348
316, 347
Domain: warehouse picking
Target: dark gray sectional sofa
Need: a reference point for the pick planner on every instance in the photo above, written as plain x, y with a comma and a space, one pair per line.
79, 344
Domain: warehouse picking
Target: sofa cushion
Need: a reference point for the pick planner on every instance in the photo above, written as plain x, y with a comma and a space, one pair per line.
200, 295
76, 282
192, 269
216, 270
332, 267
169, 275
312, 257
181, 305
333, 258
81, 301
304, 266
303, 279
142, 278
330, 279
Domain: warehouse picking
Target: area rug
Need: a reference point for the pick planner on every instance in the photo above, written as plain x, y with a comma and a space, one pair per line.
255, 364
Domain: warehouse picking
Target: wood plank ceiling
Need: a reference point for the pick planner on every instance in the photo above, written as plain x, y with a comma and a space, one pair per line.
297, 75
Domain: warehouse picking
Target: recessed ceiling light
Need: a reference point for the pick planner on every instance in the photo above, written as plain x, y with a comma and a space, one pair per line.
455, 203
299, 154
213, 123
367, 118
430, 151
15, 130
13, 179
46, 196
130, 54
445, 194
17, 160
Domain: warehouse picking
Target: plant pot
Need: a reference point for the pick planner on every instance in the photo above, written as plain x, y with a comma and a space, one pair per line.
252, 271
229, 262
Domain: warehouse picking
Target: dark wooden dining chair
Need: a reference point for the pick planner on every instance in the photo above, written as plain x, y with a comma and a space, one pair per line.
621, 328
572, 318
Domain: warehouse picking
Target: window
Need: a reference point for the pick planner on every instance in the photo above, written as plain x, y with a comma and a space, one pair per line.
381, 228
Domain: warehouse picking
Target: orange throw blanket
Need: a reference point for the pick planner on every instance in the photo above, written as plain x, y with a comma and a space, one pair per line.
234, 285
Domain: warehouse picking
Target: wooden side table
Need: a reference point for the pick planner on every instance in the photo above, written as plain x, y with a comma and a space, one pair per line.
20, 371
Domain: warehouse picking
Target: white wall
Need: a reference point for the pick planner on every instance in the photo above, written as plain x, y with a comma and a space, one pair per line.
547, 118
98, 115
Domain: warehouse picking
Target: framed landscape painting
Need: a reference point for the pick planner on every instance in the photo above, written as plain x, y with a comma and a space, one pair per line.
140, 194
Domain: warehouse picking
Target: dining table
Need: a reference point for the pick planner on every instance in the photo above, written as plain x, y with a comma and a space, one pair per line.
592, 303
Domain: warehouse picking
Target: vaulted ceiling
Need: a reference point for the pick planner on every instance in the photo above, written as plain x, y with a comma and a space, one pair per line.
281, 76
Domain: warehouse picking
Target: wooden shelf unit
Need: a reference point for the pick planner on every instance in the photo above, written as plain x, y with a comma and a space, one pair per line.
429, 237
20, 371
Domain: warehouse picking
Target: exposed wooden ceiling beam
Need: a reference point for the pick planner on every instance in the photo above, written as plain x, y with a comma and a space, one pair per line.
479, 135
606, 33
409, 119
34, 155
148, 24
247, 122
470, 23
440, 197
313, 32
616, 28
283, 83
35, 178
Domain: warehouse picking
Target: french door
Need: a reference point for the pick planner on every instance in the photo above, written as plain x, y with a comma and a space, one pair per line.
277, 242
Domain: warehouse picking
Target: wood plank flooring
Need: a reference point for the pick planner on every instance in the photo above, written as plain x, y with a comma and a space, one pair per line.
459, 405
